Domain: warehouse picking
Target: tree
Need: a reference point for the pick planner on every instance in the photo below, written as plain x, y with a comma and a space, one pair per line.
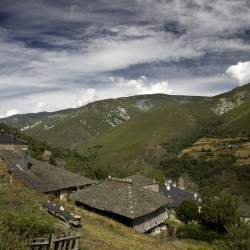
238, 237
158, 175
218, 213
187, 211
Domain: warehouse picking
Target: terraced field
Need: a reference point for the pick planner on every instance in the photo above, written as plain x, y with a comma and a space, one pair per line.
217, 147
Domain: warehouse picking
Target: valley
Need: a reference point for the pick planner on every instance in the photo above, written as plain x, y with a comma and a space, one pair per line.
140, 134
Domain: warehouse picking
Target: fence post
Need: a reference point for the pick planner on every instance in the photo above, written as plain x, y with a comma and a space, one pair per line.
52, 245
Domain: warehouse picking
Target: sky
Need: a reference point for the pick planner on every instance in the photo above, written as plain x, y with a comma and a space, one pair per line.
59, 54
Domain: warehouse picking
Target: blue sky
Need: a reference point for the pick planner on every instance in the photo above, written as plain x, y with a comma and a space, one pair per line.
58, 54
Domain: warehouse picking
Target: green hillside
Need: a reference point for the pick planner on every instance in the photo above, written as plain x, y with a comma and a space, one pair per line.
234, 108
136, 145
220, 158
238, 118
67, 127
150, 143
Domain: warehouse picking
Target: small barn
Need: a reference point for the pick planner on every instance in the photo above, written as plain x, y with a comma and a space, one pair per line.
60, 212
10, 142
142, 181
133, 206
176, 194
21, 170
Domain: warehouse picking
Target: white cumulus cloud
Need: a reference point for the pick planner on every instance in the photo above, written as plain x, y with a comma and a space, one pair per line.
11, 112
85, 96
40, 106
240, 72
139, 87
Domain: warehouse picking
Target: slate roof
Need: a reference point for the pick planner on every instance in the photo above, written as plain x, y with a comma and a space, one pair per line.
140, 180
176, 194
121, 198
42, 176
10, 139
59, 210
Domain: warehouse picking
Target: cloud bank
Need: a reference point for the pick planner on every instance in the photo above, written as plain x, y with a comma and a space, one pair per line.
67, 57
138, 86
10, 113
240, 72
85, 96
40, 106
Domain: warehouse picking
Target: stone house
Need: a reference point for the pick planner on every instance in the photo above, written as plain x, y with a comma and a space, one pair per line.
177, 195
10, 142
131, 205
142, 181
20, 170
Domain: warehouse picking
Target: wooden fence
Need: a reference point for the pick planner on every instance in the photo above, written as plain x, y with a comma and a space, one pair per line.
38, 244
63, 241
171, 232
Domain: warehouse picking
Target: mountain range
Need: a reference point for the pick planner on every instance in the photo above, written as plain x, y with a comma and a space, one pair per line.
128, 133
71, 126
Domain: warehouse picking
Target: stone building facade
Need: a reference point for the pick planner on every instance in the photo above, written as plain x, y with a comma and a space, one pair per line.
10, 142
9, 176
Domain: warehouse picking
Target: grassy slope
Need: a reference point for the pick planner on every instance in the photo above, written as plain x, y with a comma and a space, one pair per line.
19, 201
238, 119
139, 139
103, 233
231, 93
234, 178
97, 231
235, 130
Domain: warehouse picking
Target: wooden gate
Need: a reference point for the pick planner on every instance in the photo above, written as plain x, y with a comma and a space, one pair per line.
38, 244
63, 241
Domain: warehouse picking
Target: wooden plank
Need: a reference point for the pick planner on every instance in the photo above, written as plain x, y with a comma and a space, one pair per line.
70, 243
60, 245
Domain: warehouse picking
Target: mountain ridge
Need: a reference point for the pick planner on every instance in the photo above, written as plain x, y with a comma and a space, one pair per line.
91, 119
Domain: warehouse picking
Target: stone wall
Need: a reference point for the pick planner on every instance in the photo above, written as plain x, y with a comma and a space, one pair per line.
153, 187
8, 175
3, 167
12, 147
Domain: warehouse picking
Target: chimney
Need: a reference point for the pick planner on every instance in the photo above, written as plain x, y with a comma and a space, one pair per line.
23, 164
13, 136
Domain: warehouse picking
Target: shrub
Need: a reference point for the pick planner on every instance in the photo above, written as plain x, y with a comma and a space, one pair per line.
26, 227
197, 232
219, 213
8, 239
237, 237
187, 211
